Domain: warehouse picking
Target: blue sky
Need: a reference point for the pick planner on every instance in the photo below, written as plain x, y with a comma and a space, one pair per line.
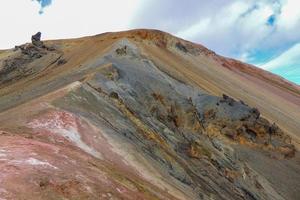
262, 32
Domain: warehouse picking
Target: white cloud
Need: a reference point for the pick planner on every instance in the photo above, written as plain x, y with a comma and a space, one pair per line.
63, 19
240, 29
196, 29
289, 58
290, 16
234, 29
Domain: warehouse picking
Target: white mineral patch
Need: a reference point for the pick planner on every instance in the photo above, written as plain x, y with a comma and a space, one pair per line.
72, 135
32, 161
55, 124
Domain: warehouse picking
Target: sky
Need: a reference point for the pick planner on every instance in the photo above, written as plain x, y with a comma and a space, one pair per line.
265, 33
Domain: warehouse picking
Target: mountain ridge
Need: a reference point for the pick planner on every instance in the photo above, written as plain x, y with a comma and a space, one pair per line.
143, 115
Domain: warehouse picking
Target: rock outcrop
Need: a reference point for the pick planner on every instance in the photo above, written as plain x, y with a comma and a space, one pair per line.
20, 63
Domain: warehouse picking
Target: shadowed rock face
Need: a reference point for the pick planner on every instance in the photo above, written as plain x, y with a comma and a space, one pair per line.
117, 126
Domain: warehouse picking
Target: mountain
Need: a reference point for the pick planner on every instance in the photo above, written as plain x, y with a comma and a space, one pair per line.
142, 114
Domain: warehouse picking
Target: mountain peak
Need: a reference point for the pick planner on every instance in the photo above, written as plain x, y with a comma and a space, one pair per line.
142, 114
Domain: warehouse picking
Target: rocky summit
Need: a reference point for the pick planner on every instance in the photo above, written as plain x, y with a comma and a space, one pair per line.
142, 114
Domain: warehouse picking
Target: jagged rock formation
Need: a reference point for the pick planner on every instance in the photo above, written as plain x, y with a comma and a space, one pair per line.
117, 123
36, 39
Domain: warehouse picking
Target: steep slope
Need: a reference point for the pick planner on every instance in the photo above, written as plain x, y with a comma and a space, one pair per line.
143, 115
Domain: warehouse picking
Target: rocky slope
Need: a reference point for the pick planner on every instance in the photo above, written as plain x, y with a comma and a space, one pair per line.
143, 115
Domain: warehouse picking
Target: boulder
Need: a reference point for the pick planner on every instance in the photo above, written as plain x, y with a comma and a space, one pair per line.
36, 39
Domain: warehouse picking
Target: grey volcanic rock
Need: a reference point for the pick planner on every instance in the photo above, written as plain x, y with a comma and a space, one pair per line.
180, 129
36, 39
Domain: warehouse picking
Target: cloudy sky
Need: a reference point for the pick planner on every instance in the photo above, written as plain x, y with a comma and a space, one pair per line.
262, 32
